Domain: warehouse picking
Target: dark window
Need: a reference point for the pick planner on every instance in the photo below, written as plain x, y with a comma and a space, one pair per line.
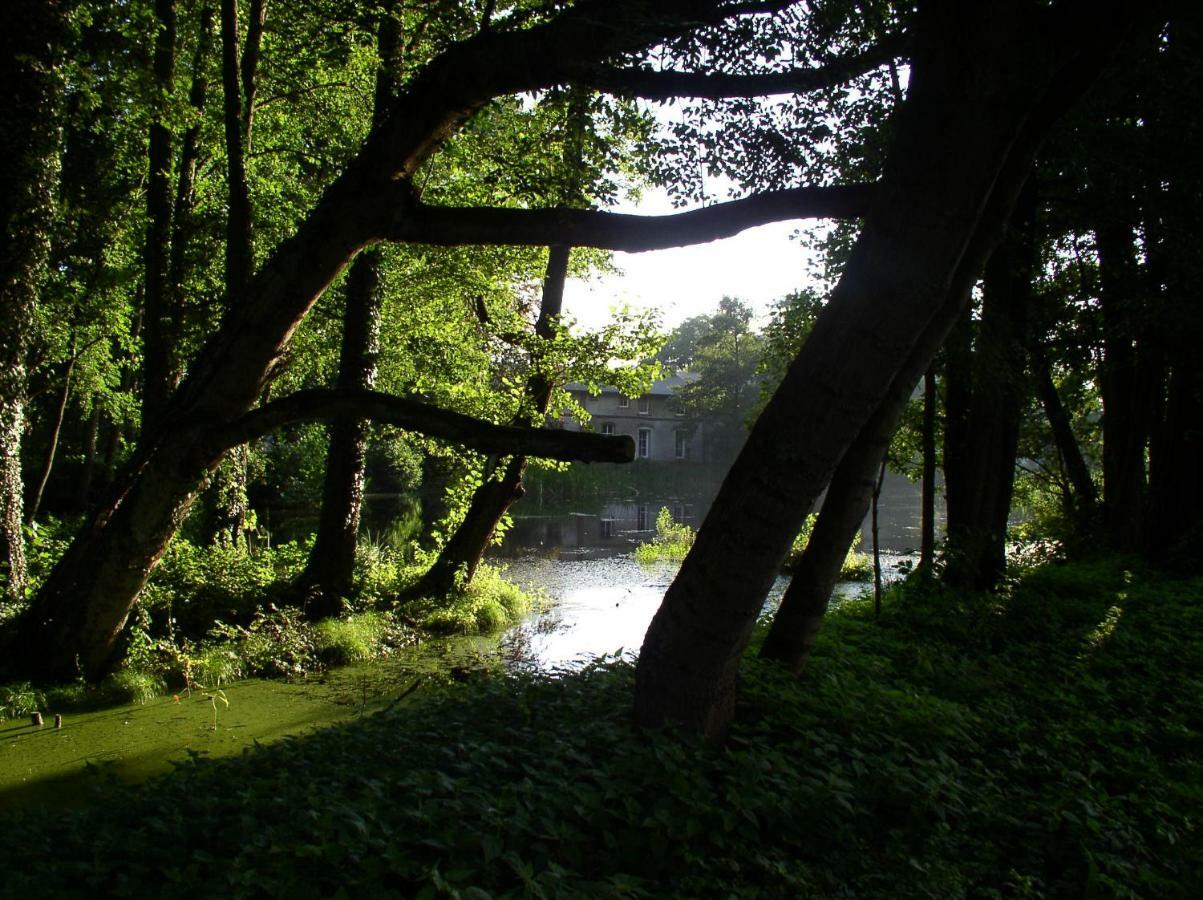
607, 427
645, 405
623, 401
681, 447
645, 443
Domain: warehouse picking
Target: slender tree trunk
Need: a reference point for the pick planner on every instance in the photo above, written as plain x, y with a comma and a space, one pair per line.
329, 573
185, 193
983, 85
56, 430
31, 38
881, 477
227, 494
158, 346
88, 473
927, 524
975, 554
1085, 496
459, 559
240, 255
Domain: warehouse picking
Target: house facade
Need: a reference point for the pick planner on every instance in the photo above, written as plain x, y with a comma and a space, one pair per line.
660, 429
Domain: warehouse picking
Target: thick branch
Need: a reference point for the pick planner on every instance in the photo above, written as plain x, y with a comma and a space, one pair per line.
454, 226
413, 415
652, 85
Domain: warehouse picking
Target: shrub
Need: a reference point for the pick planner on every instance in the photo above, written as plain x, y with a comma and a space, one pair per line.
857, 566
488, 604
672, 540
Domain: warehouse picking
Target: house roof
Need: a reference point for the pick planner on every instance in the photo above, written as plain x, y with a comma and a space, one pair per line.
664, 387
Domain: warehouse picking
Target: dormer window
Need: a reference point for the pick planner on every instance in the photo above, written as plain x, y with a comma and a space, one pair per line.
623, 401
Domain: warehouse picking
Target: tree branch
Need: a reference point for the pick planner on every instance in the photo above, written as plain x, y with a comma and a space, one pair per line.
455, 226
651, 85
413, 415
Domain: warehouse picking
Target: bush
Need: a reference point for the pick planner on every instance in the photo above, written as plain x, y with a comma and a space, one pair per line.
672, 541
488, 604
857, 566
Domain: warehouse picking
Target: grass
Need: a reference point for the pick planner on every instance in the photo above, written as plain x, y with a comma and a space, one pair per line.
1042, 743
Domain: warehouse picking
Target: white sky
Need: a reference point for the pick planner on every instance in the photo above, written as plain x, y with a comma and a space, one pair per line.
758, 265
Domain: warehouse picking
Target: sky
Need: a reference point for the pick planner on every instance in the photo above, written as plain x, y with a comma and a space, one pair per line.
758, 265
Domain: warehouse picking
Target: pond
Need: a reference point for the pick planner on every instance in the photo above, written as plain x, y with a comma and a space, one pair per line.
591, 607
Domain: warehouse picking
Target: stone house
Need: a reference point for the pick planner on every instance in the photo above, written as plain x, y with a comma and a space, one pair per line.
661, 430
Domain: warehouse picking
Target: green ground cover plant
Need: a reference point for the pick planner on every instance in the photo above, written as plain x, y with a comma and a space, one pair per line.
1044, 742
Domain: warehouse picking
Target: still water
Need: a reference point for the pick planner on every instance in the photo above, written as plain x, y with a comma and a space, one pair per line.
604, 606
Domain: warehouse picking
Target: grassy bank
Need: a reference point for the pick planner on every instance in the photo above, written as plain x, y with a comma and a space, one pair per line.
1042, 744
217, 614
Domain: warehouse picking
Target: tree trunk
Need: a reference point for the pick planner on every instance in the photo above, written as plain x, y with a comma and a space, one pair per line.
331, 567
158, 345
1125, 422
1177, 485
927, 524
88, 471
31, 37
460, 557
975, 551
1085, 497
983, 83
56, 430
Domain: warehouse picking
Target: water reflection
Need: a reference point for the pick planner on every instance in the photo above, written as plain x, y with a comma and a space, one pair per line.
604, 606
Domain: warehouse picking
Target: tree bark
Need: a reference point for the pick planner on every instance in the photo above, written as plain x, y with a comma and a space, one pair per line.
331, 567
56, 430
158, 345
330, 570
459, 559
1085, 497
31, 38
927, 519
975, 550
982, 78
1126, 420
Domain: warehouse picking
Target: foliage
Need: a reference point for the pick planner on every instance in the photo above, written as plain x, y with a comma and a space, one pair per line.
672, 541
1039, 743
485, 605
857, 566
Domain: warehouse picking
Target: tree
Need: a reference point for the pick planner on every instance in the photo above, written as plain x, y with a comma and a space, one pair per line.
78, 614
986, 83
34, 33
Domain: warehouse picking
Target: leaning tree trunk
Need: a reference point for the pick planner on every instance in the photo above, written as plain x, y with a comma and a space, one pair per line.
459, 559
975, 551
31, 38
795, 627
927, 517
984, 81
1084, 497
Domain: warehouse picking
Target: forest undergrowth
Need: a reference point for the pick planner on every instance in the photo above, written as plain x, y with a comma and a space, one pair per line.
1040, 742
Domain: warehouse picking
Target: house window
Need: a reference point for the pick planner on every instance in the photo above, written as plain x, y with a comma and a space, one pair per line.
607, 427
645, 405
623, 401
679, 513
642, 522
645, 443
681, 447
607, 528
